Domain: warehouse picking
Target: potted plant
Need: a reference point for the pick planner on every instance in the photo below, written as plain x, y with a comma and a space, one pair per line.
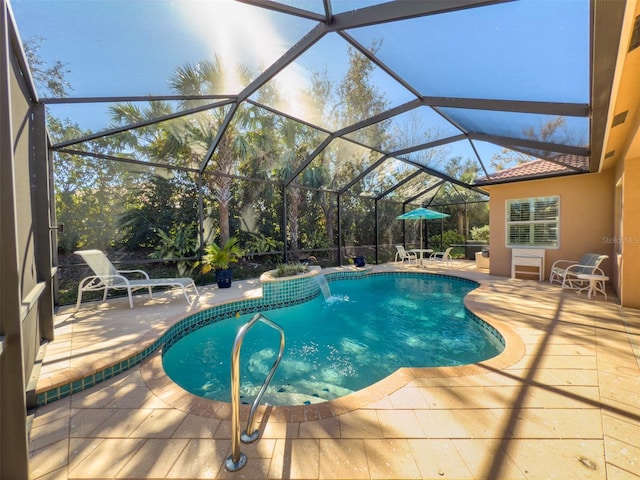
219, 259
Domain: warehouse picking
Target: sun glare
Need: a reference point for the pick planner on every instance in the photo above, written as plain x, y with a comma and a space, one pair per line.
242, 35
245, 36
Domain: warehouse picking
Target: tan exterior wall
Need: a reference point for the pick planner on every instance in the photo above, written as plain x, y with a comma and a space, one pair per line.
628, 247
586, 218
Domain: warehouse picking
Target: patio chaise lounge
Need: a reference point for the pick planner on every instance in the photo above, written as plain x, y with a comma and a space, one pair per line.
108, 277
565, 272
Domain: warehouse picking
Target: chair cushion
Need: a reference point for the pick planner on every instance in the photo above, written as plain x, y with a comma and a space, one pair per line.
587, 263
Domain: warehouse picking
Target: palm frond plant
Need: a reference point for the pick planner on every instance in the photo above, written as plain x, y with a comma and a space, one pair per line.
219, 258
181, 243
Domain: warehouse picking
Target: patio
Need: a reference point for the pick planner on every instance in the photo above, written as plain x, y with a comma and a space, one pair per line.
561, 402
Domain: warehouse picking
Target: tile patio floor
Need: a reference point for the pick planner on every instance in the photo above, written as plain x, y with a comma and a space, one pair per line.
562, 402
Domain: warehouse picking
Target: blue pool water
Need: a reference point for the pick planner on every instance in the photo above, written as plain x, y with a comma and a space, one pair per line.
366, 331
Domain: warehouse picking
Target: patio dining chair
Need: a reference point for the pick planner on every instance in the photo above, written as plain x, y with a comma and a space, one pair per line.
402, 255
108, 277
442, 256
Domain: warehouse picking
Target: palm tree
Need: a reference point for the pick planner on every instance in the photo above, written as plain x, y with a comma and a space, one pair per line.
297, 141
197, 132
185, 141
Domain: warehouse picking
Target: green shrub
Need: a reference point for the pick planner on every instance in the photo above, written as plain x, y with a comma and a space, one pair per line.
182, 241
449, 237
480, 233
259, 243
290, 269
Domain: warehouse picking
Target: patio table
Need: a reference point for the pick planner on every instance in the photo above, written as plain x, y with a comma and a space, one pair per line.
594, 284
421, 251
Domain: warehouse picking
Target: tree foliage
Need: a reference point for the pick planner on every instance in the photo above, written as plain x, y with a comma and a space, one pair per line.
260, 161
554, 130
160, 204
87, 193
51, 78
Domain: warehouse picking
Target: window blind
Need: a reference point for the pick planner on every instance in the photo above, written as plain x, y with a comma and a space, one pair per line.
533, 222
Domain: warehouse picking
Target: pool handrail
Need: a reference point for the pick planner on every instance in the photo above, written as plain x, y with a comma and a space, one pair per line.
237, 459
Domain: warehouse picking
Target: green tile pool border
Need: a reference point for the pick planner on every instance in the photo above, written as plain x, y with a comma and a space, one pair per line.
300, 291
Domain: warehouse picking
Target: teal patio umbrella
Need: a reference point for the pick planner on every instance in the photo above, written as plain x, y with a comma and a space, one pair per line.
421, 214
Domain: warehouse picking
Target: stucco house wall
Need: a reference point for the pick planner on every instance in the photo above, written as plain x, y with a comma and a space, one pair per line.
586, 222
627, 227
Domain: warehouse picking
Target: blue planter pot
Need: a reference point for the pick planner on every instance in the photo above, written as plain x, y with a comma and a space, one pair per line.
223, 278
359, 261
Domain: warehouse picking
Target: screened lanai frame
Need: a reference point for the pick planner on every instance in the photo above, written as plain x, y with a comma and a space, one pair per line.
28, 244
354, 24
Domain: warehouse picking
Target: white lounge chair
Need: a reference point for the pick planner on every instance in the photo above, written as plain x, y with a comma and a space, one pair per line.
442, 256
565, 272
108, 277
402, 255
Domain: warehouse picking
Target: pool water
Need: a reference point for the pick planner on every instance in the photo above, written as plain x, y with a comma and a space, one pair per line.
367, 330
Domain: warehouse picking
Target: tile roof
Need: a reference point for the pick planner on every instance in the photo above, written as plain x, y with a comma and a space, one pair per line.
560, 165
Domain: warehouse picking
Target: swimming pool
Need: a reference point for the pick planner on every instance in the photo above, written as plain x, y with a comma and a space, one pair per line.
366, 331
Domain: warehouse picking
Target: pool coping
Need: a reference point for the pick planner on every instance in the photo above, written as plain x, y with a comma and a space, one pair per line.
171, 393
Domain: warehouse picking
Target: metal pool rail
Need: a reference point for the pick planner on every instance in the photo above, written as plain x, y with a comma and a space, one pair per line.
237, 459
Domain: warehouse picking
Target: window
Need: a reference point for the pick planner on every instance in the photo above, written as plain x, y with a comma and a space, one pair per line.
533, 222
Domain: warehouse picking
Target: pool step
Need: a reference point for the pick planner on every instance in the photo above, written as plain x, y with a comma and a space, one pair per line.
313, 392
